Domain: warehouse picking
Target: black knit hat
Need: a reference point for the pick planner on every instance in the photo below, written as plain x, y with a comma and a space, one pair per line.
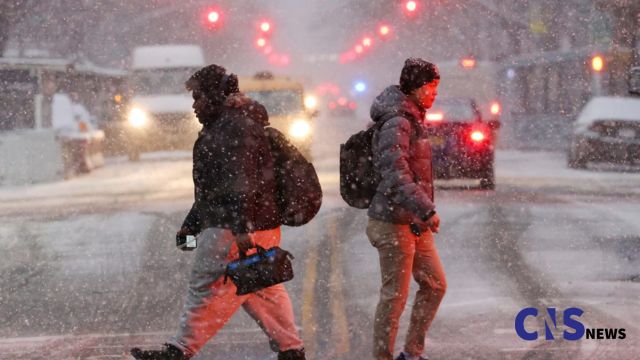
416, 73
213, 81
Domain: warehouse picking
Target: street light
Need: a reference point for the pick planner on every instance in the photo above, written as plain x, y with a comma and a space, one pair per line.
597, 64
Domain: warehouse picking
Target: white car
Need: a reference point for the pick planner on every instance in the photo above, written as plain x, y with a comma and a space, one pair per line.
607, 130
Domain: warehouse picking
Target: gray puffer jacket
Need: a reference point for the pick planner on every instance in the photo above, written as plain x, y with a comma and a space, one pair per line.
402, 156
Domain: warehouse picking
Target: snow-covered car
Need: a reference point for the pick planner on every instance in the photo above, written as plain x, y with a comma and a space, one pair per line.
607, 130
462, 142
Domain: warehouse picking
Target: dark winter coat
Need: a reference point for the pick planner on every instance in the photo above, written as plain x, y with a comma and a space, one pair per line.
402, 156
233, 171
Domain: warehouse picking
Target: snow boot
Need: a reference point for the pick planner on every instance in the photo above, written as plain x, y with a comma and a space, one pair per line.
170, 352
295, 354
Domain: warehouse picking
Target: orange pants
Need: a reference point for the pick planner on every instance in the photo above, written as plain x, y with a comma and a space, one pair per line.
401, 254
210, 302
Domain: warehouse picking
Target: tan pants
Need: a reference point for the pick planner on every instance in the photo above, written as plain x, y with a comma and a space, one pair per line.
401, 254
210, 302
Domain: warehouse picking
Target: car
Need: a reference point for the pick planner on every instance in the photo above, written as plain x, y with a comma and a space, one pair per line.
462, 143
341, 106
606, 130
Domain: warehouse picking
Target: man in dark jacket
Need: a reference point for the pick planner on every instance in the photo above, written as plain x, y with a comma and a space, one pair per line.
402, 217
234, 209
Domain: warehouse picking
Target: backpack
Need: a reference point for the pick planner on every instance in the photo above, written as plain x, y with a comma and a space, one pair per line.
358, 176
298, 191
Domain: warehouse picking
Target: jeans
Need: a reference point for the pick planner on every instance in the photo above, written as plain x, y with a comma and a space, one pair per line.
401, 254
210, 302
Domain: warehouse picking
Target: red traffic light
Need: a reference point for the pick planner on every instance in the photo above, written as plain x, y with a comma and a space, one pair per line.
265, 26
384, 30
495, 108
261, 42
367, 41
411, 6
213, 16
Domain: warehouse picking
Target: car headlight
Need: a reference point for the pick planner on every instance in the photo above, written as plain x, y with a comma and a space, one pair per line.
137, 117
310, 102
300, 129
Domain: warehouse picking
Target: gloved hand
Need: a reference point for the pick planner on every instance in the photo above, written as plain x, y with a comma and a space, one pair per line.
245, 242
434, 223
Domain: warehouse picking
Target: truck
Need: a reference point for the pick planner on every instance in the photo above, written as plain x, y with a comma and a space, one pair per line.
159, 115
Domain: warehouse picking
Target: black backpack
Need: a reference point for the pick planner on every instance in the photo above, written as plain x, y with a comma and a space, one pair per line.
358, 176
298, 191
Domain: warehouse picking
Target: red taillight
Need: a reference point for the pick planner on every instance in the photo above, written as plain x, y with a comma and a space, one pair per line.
495, 108
477, 136
435, 117
332, 105
352, 105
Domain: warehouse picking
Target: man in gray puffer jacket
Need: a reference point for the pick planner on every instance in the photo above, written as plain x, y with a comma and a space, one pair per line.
402, 217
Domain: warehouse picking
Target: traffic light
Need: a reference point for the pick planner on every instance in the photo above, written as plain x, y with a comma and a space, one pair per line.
265, 27
495, 108
367, 41
597, 63
261, 42
410, 7
212, 18
384, 31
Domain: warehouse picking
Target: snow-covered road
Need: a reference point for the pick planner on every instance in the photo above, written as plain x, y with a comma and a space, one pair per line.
89, 268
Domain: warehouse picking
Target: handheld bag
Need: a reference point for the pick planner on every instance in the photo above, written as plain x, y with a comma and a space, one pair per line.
299, 194
260, 270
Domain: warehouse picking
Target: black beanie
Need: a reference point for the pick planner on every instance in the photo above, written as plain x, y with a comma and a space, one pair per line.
214, 81
416, 73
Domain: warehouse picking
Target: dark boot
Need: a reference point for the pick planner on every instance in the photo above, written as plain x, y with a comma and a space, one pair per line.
169, 352
295, 354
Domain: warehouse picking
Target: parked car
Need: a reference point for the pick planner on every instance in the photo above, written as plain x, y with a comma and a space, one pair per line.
607, 130
462, 142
